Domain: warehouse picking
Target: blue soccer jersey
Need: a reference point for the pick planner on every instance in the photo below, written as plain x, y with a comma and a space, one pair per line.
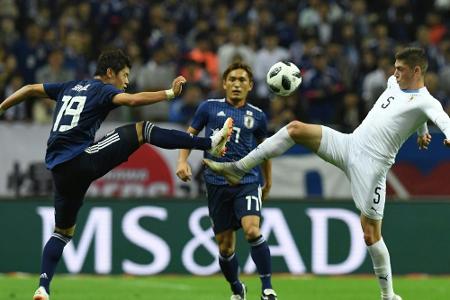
81, 107
250, 126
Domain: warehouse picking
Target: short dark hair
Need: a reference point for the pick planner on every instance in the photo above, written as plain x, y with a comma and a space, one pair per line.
413, 56
114, 59
238, 65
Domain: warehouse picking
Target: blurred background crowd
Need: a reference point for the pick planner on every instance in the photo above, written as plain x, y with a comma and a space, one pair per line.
345, 49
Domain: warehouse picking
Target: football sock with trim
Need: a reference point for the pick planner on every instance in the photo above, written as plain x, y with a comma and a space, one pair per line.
382, 267
273, 146
260, 254
230, 269
50, 257
173, 139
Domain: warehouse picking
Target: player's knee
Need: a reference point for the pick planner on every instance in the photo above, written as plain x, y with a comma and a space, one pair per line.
140, 132
371, 238
251, 233
226, 249
295, 128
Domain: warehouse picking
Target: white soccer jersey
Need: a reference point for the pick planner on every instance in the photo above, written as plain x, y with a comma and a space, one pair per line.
395, 116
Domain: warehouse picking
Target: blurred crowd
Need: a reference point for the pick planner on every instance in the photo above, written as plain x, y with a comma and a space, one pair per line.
344, 48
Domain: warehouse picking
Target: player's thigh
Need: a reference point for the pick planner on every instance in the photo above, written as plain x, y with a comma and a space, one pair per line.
368, 185
70, 189
308, 135
334, 147
220, 208
113, 149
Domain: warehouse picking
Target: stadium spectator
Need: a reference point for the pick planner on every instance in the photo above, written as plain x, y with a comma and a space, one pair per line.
235, 47
235, 29
266, 56
183, 108
374, 82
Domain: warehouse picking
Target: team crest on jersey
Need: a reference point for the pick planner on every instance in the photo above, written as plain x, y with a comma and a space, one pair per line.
249, 122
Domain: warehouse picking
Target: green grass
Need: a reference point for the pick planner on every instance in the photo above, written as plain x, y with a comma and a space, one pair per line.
214, 287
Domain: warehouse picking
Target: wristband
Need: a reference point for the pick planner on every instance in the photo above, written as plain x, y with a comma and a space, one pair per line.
170, 94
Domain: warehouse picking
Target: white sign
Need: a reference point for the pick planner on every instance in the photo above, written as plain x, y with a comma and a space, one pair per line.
98, 231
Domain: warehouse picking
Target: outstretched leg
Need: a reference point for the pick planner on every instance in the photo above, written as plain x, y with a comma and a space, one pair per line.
380, 257
175, 139
296, 132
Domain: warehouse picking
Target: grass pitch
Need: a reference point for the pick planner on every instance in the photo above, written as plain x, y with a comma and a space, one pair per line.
214, 287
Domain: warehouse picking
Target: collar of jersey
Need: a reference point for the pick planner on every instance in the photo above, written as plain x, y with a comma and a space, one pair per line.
413, 91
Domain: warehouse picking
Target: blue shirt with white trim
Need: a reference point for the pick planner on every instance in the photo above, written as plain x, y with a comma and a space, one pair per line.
81, 107
250, 127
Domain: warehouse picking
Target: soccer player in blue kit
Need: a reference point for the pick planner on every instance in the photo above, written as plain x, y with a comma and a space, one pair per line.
233, 207
73, 157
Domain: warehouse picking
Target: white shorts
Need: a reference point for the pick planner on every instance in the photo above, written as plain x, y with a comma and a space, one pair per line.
366, 174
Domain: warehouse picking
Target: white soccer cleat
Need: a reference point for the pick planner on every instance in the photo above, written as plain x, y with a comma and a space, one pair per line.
227, 169
220, 138
269, 294
41, 294
241, 296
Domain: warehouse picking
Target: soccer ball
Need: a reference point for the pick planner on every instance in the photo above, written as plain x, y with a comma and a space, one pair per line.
283, 78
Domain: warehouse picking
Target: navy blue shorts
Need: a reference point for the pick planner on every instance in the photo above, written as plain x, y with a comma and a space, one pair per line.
228, 204
72, 178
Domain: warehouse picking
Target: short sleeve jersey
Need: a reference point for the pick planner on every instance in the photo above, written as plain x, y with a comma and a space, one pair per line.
81, 107
395, 116
250, 127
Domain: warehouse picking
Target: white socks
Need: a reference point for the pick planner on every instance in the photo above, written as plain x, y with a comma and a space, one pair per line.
382, 267
276, 145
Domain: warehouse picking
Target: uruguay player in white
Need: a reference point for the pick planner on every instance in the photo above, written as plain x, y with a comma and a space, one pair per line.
367, 154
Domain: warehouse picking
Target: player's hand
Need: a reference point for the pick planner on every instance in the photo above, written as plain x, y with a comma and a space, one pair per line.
447, 143
177, 85
184, 171
265, 191
423, 141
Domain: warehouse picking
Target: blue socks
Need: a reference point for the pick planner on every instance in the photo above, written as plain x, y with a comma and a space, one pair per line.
173, 139
230, 269
260, 253
50, 257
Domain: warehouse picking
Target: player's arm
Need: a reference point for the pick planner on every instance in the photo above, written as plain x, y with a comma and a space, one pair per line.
184, 171
24, 93
423, 136
266, 169
147, 98
435, 112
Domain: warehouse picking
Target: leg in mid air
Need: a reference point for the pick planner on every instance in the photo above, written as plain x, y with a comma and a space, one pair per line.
228, 263
260, 253
175, 139
380, 257
308, 135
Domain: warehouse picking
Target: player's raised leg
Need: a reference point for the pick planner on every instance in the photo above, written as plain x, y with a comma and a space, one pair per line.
175, 139
380, 257
296, 132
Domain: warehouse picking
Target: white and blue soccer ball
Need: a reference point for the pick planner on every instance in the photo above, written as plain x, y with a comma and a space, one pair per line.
283, 78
